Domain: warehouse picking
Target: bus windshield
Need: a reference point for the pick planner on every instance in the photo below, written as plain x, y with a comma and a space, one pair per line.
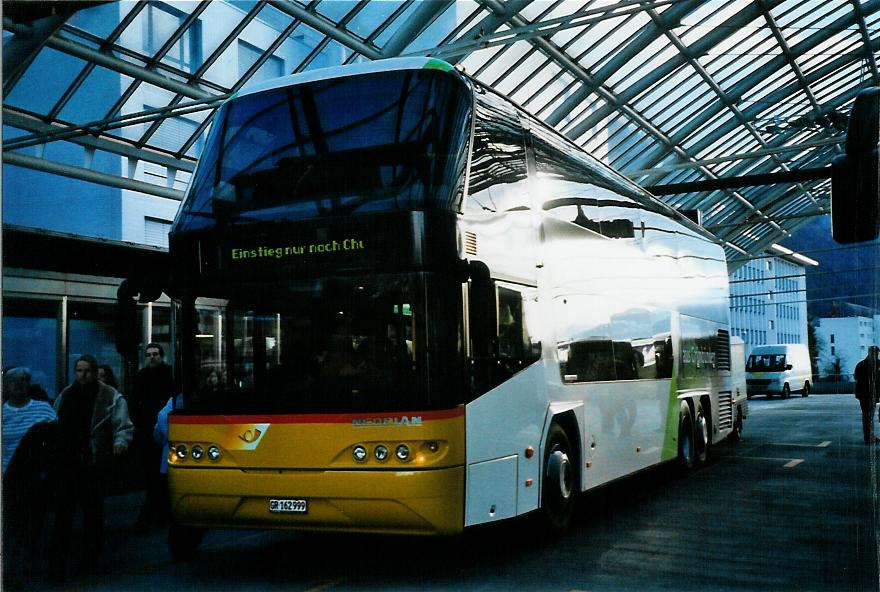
374, 142
322, 346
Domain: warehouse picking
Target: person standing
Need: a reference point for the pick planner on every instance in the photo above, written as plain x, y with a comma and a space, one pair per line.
20, 411
153, 386
867, 375
96, 431
28, 430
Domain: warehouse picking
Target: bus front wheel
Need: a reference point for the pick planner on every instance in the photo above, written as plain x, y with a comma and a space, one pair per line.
558, 488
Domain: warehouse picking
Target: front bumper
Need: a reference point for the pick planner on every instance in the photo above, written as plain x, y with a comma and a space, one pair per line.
379, 501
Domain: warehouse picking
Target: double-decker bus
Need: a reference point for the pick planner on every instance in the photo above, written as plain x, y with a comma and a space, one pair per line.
405, 305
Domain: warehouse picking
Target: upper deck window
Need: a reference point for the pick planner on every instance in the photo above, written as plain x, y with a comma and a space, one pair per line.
373, 142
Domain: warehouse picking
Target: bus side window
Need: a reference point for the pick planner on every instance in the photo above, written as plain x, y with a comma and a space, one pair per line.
517, 348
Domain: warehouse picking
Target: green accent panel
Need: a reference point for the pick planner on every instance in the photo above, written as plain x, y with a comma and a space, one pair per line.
435, 64
670, 440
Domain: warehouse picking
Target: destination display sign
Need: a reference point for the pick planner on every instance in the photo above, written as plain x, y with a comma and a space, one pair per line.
391, 241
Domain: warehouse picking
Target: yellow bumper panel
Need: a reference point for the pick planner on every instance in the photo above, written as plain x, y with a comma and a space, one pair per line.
404, 502
312, 458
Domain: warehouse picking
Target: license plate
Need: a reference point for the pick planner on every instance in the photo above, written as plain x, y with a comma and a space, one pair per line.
288, 506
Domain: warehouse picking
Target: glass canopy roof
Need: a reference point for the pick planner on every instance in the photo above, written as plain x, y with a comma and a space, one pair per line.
666, 91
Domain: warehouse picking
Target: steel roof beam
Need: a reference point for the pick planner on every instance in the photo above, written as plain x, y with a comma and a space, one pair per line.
648, 35
104, 143
755, 78
28, 40
700, 47
767, 151
425, 14
866, 37
66, 170
326, 27
117, 65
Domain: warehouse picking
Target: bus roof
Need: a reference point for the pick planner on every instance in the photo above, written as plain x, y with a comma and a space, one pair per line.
413, 63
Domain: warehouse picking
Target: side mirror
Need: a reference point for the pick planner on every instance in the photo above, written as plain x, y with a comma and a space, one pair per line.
788, 366
855, 176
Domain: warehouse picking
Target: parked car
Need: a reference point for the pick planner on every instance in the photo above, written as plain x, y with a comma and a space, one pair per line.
778, 370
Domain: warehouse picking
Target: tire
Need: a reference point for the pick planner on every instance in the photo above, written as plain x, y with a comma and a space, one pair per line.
559, 481
686, 453
702, 433
806, 391
786, 391
183, 541
737, 433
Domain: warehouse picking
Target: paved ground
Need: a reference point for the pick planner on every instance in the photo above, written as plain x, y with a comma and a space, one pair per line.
794, 506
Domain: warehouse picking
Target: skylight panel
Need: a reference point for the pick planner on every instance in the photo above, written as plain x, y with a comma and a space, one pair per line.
596, 45
372, 16
765, 87
708, 17
583, 110
708, 128
45, 81
496, 70
95, 96
656, 54
435, 34
662, 94
548, 99
540, 75
335, 10
219, 19
102, 19
391, 28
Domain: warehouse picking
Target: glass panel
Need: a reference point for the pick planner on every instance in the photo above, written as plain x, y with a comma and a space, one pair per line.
92, 331
102, 19
373, 14
44, 81
95, 96
21, 334
336, 9
159, 25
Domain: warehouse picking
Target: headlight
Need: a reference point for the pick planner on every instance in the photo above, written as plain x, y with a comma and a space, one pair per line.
198, 452
381, 452
402, 452
214, 452
180, 451
359, 453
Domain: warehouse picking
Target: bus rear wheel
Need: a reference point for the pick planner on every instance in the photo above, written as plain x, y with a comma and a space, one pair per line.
737, 433
686, 455
703, 433
806, 391
558, 484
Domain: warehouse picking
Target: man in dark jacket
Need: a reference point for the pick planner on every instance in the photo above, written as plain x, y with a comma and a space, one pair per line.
95, 430
153, 386
867, 375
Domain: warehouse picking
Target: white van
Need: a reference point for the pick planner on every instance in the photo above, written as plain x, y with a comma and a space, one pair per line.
778, 369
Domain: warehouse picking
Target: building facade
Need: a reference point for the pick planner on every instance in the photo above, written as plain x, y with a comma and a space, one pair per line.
768, 301
843, 341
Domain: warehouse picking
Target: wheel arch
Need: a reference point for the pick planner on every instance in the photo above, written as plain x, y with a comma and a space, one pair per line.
570, 418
